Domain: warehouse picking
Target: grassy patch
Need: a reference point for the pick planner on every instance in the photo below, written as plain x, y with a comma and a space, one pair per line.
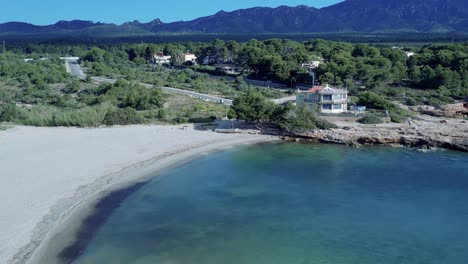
46, 115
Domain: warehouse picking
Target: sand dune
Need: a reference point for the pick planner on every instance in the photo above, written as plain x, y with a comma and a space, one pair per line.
45, 172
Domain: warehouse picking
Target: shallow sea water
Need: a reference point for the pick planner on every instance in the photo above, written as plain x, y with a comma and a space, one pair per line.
295, 203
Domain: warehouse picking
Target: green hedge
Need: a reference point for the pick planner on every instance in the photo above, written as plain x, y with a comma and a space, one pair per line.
370, 119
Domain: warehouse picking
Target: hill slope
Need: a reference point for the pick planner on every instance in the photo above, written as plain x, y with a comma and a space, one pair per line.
347, 16
401, 15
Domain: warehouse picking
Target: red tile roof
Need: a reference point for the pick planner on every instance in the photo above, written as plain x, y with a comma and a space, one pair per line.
315, 89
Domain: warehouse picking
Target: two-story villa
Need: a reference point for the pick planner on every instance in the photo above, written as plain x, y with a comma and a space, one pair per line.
324, 99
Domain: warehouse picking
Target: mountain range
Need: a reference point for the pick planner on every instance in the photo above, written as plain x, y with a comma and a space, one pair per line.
376, 16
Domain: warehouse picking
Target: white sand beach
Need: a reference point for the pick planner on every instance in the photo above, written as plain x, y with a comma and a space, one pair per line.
46, 172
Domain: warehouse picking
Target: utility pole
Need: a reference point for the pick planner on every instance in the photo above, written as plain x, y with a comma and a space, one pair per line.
313, 78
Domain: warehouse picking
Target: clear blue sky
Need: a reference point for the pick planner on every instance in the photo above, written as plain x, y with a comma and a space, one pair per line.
42, 12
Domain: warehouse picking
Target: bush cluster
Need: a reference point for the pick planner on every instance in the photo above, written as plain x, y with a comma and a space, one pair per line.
370, 119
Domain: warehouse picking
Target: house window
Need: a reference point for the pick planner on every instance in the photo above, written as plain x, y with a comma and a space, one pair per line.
326, 97
338, 96
337, 106
327, 107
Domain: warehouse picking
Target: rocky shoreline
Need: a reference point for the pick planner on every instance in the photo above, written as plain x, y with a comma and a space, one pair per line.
422, 132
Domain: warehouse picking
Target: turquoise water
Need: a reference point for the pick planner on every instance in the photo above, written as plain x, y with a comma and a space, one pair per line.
295, 203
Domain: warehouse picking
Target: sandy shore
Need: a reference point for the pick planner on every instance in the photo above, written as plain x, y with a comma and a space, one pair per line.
47, 173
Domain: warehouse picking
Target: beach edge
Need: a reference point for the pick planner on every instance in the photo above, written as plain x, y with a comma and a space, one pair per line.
59, 227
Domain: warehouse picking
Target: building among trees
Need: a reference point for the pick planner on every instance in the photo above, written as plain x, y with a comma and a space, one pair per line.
160, 59
324, 99
189, 58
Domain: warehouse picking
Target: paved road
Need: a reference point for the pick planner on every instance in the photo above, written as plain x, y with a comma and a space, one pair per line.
74, 68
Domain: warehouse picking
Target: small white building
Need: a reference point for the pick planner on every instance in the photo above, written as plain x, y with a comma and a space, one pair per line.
189, 57
324, 99
312, 64
160, 59
410, 53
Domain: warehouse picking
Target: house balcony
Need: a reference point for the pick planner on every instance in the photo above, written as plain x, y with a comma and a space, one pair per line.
334, 101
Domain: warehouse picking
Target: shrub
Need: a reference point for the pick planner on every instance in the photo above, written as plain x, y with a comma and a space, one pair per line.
72, 87
395, 118
303, 120
180, 120
124, 116
372, 100
202, 119
9, 113
370, 119
43, 115
253, 107
162, 114
324, 124
83, 117
39, 115
88, 79
411, 101
125, 94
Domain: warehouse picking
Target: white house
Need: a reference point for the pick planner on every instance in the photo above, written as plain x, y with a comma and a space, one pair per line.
324, 99
160, 59
311, 65
189, 57
410, 53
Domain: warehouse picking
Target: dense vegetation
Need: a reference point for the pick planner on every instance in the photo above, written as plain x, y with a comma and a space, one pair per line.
370, 119
256, 109
435, 75
436, 71
40, 92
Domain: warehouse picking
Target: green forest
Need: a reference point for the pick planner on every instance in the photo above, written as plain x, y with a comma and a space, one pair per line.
40, 92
